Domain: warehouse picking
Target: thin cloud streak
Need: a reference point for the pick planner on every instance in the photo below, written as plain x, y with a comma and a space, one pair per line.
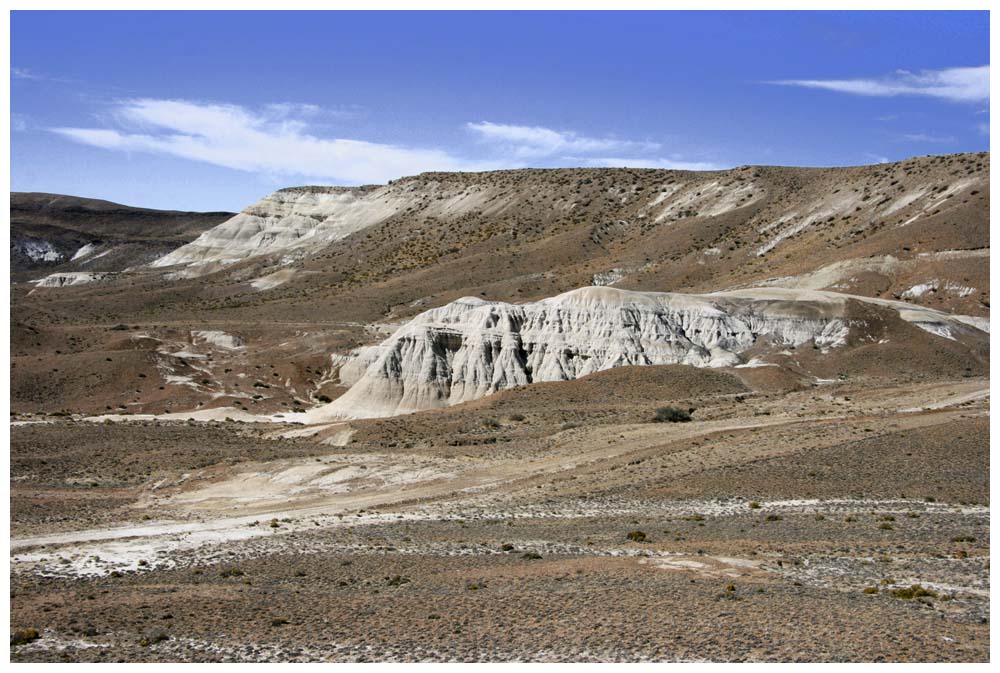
270, 141
538, 141
669, 164
279, 139
924, 138
960, 85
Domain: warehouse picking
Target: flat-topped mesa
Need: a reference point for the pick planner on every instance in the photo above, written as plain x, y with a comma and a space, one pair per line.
471, 348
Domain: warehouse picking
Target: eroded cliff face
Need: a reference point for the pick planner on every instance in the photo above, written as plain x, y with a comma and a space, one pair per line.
283, 222
471, 348
299, 221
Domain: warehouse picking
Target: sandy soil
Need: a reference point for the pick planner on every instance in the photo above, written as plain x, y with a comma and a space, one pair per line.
754, 521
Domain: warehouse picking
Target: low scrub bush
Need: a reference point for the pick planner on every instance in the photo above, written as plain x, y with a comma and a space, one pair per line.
672, 415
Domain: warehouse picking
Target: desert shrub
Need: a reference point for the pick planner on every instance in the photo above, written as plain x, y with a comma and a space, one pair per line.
398, 580
530, 555
152, 637
23, 636
754, 504
871, 590
912, 592
279, 621
231, 571
671, 415
636, 536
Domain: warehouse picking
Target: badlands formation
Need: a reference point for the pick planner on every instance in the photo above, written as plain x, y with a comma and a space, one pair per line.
471, 348
441, 419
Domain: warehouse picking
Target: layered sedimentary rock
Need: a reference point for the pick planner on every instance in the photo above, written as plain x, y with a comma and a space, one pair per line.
471, 348
289, 219
70, 278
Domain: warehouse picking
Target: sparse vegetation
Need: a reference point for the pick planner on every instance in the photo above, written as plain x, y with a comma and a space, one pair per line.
670, 414
23, 636
913, 592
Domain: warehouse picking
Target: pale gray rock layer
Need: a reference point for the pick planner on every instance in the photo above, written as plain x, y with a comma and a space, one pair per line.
471, 348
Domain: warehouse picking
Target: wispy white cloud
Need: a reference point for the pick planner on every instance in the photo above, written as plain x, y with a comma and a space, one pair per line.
877, 158
19, 123
538, 141
281, 139
23, 73
272, 140
963, 85
984, 129
924, 138
667, 163
34, 75
569, 148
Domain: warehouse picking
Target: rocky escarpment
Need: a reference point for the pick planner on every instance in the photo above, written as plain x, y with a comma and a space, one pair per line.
286, 221
632, 221
471, 348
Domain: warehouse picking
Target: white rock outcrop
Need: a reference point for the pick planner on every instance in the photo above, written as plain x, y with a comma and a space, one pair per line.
70, 278
289, 219
218, 339
471, 348
304, 220
39, 251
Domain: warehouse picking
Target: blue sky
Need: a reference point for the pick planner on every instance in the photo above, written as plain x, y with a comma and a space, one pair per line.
212, 110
